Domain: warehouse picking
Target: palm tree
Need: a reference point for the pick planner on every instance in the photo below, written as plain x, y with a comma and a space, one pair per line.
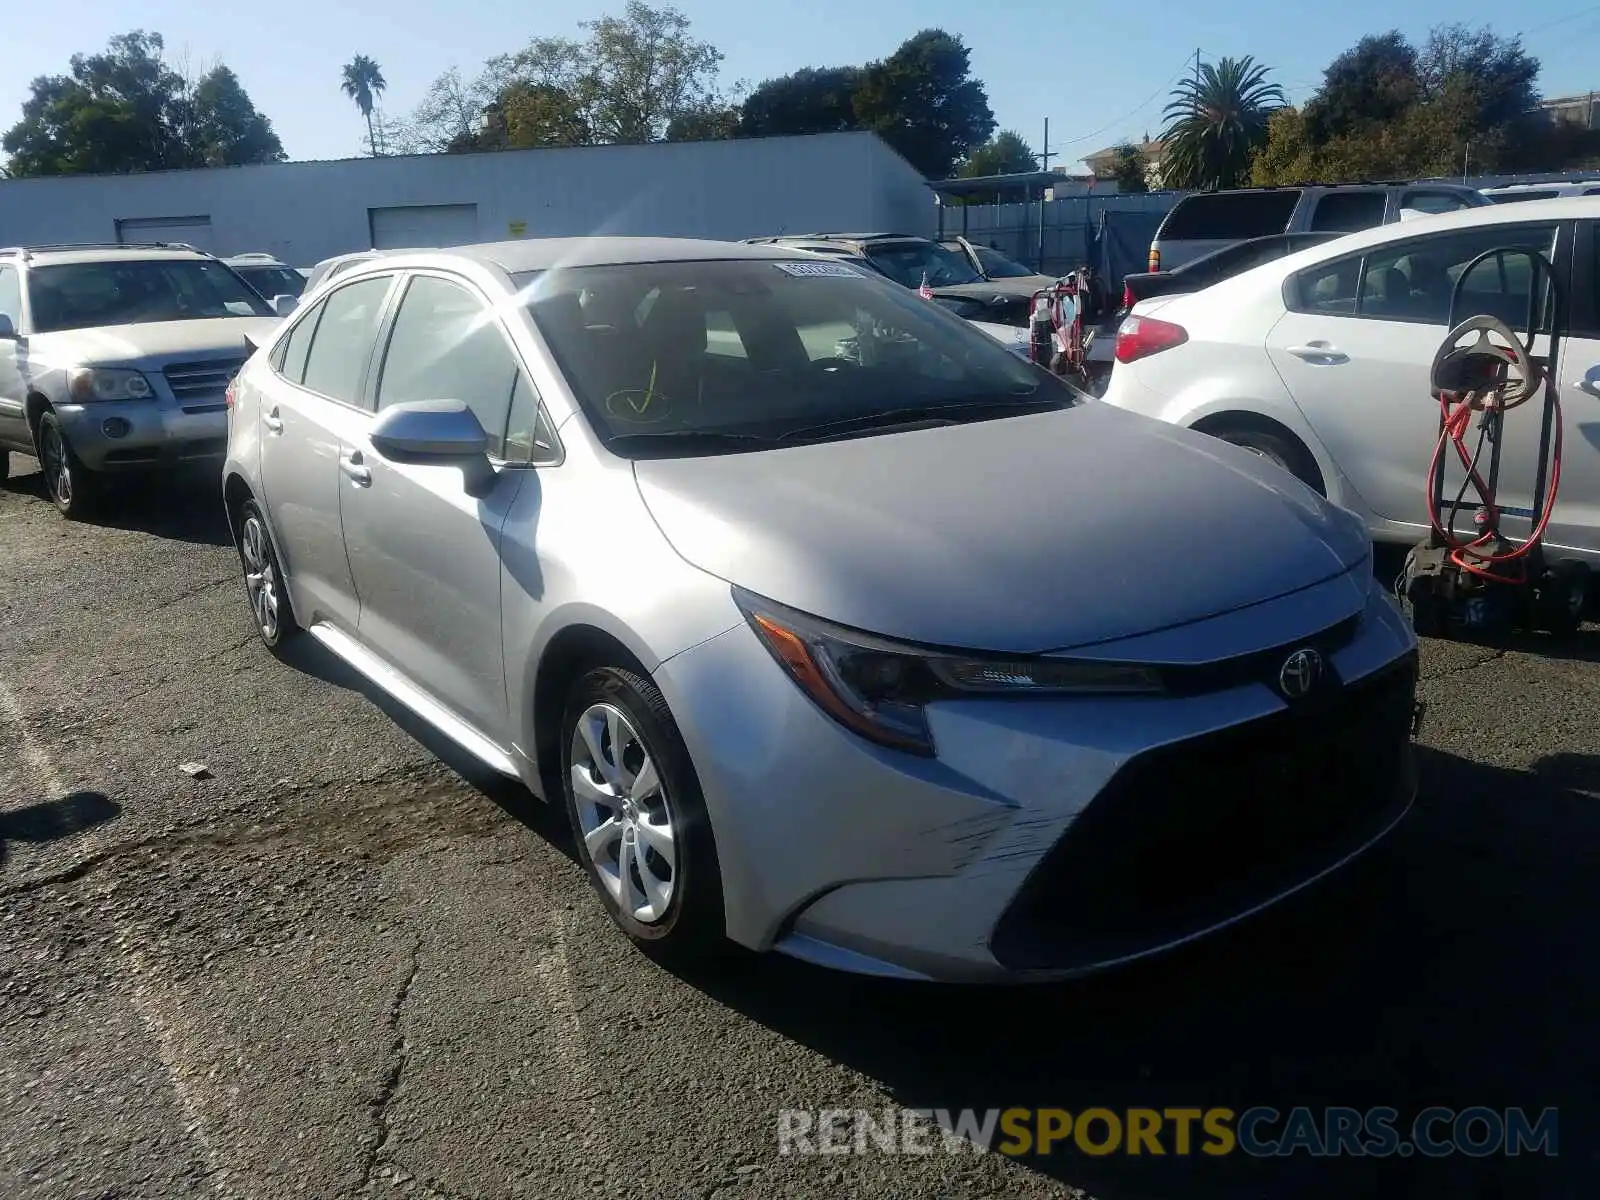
364, 83
1215, 122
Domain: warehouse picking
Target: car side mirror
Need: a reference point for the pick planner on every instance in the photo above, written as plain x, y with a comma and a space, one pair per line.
8, 328
439, 433
285, 304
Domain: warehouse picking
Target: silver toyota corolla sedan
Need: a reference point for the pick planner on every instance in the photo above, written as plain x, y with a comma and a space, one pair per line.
838, 628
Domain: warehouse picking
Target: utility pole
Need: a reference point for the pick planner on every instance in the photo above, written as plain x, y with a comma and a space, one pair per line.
1044, 165
1045, 154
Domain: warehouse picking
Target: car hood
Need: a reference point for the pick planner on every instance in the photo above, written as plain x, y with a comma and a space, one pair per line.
114, 345
1033, 533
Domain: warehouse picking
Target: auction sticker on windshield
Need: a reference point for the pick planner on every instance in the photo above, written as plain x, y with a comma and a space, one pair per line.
818, 268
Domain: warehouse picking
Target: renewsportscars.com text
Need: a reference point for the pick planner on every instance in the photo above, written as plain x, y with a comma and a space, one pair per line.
1261, 1132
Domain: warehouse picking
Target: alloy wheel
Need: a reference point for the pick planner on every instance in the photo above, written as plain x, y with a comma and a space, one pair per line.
57, 467
624, 815
260, 576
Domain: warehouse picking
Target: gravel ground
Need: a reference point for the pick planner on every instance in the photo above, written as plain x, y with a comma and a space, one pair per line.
348, 964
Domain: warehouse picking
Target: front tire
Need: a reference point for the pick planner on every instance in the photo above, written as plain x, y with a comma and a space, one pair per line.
263, 579
72, 487
638, 815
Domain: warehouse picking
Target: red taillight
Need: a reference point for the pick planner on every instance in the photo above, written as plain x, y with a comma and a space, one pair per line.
1140, 337
1128, 298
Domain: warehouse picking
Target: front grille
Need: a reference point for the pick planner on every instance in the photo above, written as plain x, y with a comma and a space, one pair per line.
1188, 835
200, 386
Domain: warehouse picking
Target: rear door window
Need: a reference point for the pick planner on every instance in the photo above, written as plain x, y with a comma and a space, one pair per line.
1230, 216
1347, 212
290, 359
342, 344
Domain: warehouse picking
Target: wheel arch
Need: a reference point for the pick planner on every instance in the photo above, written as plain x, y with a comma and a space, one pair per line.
570, 653
1222, 421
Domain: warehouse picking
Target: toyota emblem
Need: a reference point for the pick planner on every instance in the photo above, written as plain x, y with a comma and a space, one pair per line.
1299, 673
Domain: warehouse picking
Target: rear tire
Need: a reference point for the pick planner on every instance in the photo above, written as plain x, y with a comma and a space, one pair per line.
264, 587
1561, 598
5, 465
1284, 451
71, 486
638, 816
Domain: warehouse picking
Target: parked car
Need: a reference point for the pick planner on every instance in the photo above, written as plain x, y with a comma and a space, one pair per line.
1322, 361
1513, 193
952, 276
114, 359
269, 276
329, 267
727, 549
1202, 222
1191, 277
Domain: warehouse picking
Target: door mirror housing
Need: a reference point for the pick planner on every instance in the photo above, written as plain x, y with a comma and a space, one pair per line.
8, 328
285, 304
436, 432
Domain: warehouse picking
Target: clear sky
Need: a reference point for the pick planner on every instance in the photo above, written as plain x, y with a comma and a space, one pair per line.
1099, 72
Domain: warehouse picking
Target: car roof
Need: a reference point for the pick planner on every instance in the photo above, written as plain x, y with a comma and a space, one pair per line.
46, 255
542, 254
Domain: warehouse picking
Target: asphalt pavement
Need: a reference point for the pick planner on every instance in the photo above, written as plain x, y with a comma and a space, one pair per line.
340, 962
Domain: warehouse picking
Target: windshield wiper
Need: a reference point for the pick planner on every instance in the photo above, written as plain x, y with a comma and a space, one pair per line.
683, 439
925, 414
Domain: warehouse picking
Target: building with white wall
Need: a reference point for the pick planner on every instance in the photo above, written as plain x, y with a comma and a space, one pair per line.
307, 211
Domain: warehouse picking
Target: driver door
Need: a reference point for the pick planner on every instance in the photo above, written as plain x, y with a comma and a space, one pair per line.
424, 554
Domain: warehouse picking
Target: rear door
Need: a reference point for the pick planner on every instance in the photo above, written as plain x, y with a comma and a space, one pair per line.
310, 406
1357, 344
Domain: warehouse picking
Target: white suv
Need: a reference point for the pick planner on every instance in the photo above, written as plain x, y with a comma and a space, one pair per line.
1322, 360
116, 359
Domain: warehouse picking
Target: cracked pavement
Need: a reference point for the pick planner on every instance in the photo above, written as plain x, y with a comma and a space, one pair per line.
348, 964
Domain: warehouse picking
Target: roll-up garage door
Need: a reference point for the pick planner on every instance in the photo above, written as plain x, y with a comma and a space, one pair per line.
423, 226
193, 231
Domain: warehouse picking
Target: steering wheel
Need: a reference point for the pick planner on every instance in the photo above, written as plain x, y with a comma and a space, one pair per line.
1459, 368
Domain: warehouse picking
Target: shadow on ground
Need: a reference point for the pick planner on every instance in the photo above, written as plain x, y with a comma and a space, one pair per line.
56, 819
1454, 965
182, 505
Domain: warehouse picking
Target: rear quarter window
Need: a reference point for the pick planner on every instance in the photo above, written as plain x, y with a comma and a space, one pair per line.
1348, 212
1230, 216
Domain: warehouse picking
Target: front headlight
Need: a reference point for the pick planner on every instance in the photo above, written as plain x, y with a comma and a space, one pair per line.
881, 689
107, 383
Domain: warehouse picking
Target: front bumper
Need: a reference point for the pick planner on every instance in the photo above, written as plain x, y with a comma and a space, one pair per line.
1049, 838
141, 434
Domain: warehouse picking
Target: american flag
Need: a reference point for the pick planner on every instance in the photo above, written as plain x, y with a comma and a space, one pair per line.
925, 291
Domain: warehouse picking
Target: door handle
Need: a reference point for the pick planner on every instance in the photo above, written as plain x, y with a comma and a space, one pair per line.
1319, 352
273, 422
351, 465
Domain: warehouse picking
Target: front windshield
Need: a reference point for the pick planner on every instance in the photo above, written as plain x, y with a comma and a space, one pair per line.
764, 350
909, 261
85, 295
273, 281
998, 266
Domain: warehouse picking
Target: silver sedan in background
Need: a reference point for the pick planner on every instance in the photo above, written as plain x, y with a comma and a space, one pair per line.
836, 627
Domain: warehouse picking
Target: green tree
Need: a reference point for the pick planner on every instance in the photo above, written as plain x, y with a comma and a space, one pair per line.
1389, 110
1216, 122
812, 100
362, 80
1005, 154
923, 101
1130, 168
227, 130
126, 110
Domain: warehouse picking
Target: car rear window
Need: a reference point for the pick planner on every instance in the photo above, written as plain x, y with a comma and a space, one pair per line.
1513, 197
1230, 216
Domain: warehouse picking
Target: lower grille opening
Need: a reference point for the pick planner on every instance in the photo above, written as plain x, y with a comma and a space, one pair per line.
1192, 834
